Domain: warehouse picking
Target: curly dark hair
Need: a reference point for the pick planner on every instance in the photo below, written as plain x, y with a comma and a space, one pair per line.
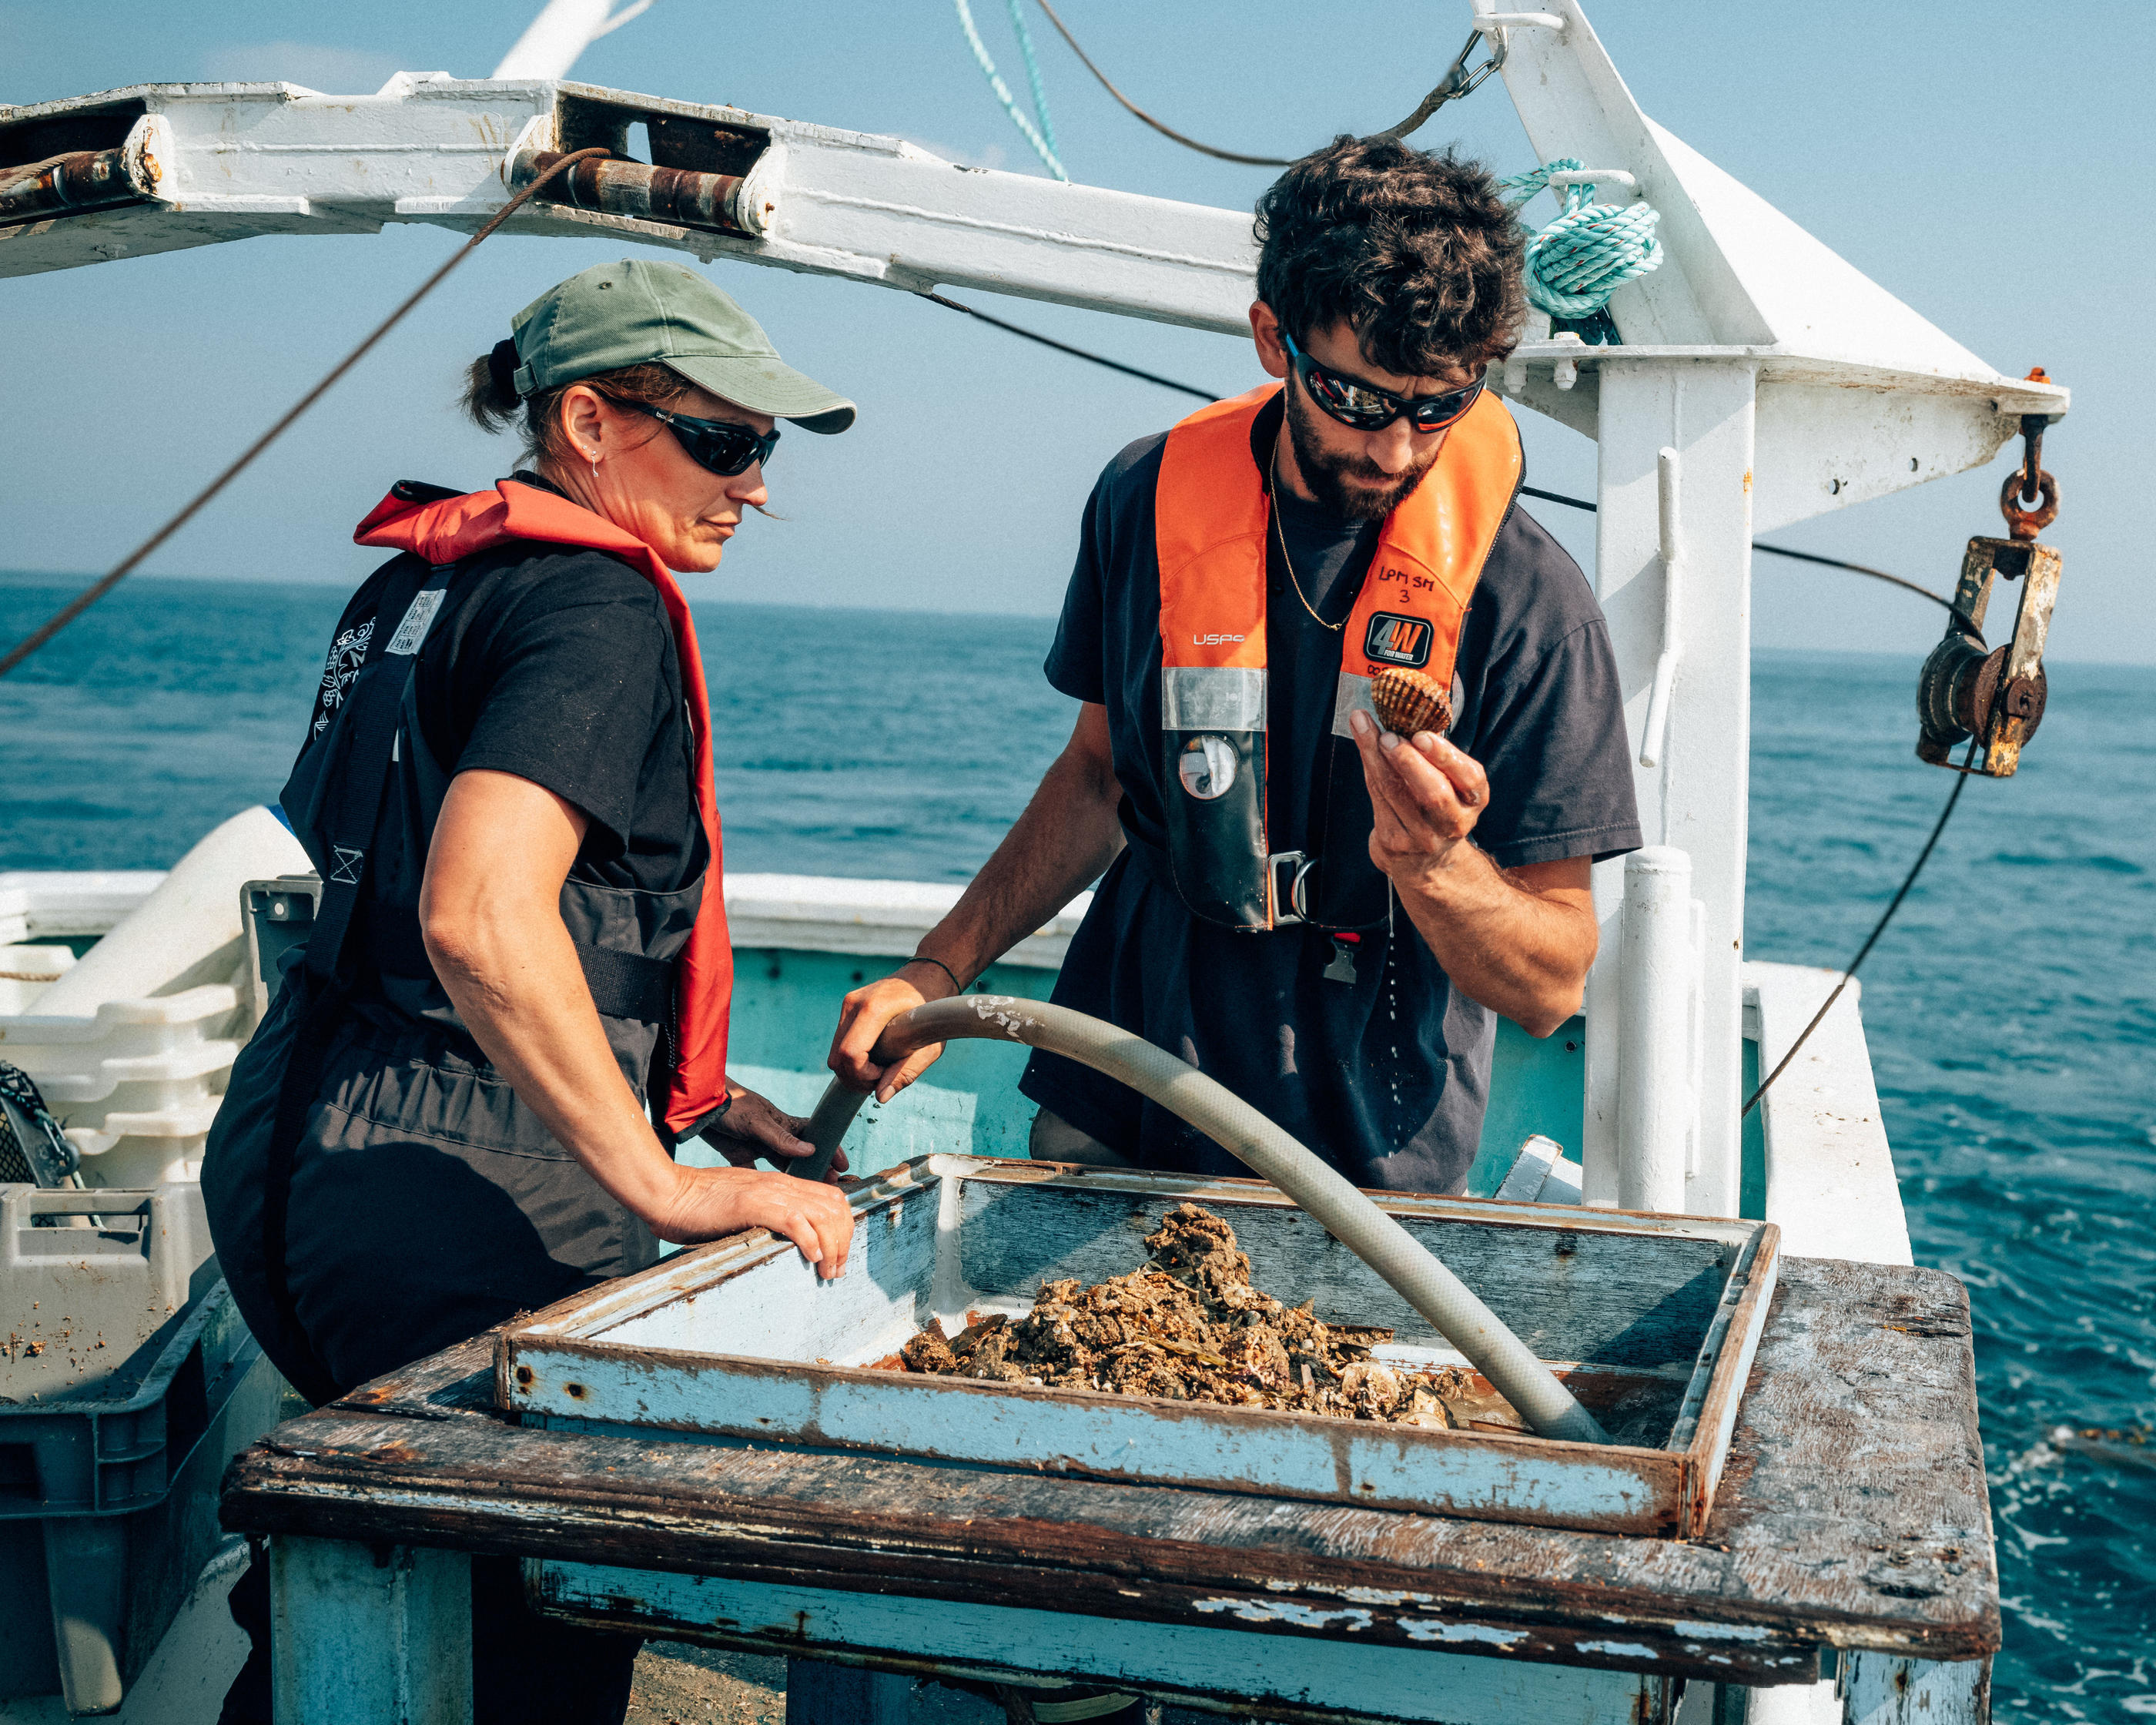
1415, 250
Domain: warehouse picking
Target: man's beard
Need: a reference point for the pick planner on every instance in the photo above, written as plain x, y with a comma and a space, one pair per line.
1327, 474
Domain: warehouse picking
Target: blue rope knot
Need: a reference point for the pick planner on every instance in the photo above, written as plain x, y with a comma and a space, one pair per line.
1589, 251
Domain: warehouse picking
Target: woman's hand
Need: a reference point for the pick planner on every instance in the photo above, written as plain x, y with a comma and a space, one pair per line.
708, 1203
754, 1127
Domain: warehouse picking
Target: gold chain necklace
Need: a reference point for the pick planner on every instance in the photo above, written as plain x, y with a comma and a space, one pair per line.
1272, 509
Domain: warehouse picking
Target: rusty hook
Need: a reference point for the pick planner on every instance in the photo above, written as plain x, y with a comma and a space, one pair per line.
2025, 524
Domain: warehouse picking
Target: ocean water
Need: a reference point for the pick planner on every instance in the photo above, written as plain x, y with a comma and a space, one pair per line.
2012, 1009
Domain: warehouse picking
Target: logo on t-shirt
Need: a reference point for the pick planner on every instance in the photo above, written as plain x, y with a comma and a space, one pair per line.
1394, 639
347, 655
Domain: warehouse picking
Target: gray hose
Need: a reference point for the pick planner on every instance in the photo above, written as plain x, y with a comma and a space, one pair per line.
1407, 1266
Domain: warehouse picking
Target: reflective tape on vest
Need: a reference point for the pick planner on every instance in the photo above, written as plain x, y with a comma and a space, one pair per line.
1204, 697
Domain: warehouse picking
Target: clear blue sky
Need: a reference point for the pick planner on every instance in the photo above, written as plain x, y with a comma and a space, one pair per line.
1976, 160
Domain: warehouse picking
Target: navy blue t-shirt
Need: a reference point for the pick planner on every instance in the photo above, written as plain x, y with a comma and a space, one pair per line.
1386, 1077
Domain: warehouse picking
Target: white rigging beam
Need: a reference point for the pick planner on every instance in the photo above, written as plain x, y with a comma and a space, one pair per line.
231, 161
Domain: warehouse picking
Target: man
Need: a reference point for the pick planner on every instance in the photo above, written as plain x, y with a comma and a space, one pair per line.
1322, 915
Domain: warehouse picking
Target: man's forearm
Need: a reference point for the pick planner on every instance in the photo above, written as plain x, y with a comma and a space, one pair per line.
1067, 836
1503, 945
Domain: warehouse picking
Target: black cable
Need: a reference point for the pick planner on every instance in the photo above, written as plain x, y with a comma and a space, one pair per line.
1558, 497
97, 590
1165, 130
1458, 81
1961, 783
1812, 556
1779, 551
1113, 365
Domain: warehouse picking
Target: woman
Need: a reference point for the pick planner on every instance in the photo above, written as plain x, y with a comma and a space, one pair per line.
506, 786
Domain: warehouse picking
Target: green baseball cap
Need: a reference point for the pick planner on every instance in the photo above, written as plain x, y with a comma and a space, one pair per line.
635, 311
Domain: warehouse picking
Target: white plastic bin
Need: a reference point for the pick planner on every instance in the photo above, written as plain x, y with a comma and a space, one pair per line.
136, 1083
135, 1086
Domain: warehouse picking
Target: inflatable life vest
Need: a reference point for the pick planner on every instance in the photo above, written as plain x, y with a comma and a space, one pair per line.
1211, 518
446, 529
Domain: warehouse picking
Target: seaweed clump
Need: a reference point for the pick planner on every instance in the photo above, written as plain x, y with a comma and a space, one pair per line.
1189, 1326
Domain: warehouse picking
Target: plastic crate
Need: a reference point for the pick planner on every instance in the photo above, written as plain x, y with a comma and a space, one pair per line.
110, 1341
115, 1432
110, 1585
137, 1084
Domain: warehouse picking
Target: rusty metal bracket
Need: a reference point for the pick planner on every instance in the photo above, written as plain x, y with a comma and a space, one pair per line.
2025, 524
1997, 698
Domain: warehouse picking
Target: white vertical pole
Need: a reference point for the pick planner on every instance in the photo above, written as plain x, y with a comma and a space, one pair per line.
1597, 1149
1668, 464
1654, 1106
1695, 797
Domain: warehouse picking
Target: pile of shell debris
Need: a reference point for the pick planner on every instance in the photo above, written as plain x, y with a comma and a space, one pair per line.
1187, 1326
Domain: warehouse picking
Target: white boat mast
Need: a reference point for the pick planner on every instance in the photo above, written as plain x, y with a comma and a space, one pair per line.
1762, 380
555, 40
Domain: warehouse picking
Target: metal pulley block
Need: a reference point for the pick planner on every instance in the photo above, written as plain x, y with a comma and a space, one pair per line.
1995, 695
32, 1147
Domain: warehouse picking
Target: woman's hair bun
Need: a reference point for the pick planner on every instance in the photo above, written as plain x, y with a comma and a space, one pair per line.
501, 368
489, 391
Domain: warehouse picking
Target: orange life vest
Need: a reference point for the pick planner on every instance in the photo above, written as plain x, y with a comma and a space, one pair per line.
1212, 516
455, 528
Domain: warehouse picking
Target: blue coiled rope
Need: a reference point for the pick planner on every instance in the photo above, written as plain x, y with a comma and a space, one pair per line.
1589, 251
1042, 137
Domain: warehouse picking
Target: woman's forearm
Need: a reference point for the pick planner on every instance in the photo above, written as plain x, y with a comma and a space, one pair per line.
490, 912
515, 981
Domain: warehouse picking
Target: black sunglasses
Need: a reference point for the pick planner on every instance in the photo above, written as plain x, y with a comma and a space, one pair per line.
718, 445
1364, 407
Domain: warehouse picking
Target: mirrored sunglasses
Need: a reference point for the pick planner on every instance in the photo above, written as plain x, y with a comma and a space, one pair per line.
1364, 407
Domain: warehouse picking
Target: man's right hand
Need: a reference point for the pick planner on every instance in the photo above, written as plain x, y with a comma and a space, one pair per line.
1069, 833
862, 1016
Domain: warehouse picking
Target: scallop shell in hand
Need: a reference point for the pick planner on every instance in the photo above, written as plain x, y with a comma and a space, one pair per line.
1408, 701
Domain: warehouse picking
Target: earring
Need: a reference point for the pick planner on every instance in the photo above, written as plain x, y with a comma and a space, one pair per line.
595, 464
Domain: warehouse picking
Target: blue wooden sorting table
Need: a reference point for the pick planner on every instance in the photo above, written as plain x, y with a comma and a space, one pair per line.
1850, 1532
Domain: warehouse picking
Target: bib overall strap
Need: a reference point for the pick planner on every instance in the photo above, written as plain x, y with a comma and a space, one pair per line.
369, 723
623, 985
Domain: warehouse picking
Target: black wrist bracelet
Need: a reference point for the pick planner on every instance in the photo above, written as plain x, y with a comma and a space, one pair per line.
923, 958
